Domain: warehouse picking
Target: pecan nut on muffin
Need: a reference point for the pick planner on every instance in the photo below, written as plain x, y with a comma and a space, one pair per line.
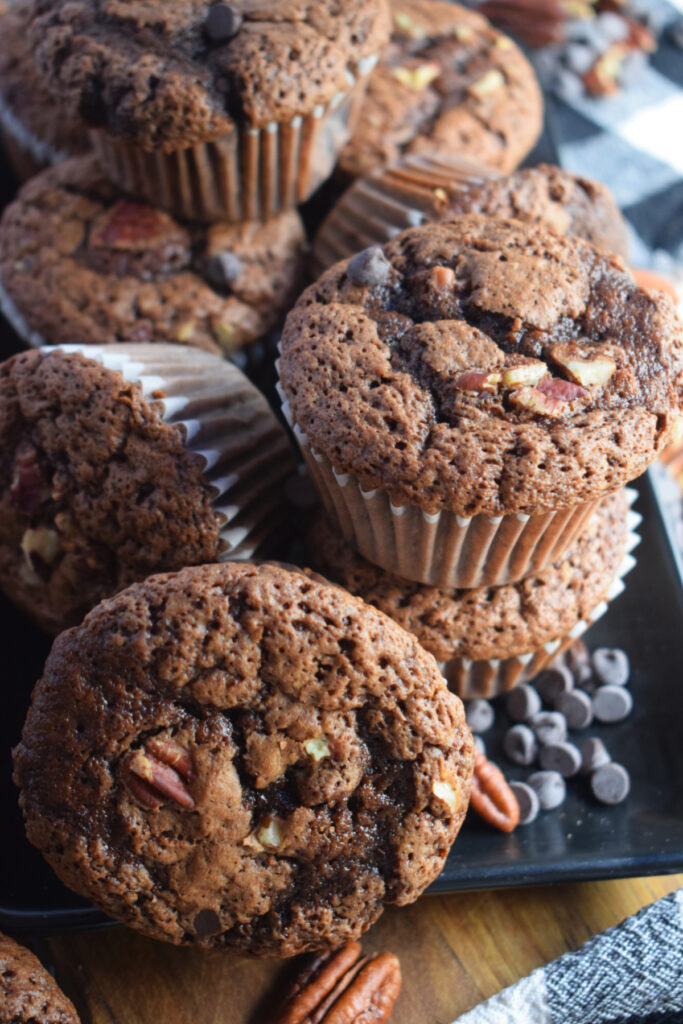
448, 81
28, 993
36, 131
213, 110
241, 756
420, 188
79, 263
118, 462
489, 639
465, 394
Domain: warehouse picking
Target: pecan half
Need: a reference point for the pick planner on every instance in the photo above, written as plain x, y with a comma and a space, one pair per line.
158, 773
344, 986
491, 797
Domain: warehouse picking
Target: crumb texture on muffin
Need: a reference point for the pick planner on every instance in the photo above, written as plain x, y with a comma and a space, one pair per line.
484, 366
28, 994
151, 72
95, 489
305, 761
488, 622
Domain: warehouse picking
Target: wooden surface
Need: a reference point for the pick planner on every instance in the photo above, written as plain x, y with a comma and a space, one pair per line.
454, 950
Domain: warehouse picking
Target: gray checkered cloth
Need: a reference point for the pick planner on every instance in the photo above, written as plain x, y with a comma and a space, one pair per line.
631, 974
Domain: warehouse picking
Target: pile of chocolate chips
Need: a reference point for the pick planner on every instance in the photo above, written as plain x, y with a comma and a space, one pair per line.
576, 691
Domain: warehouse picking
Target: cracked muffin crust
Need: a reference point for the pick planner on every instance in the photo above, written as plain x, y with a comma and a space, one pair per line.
487, 622
37, 130
241, 756
484, 366
80, 264
157, 73
28, 993
95, 489
448, 81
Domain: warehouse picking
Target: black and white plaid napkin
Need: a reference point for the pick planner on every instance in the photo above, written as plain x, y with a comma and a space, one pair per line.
630, 974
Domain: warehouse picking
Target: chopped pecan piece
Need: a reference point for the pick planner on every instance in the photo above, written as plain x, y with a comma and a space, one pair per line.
474, 381
158, 773
28, 489
344, 986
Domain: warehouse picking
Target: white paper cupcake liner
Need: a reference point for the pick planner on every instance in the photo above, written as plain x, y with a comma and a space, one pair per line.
375, 209
488, 679
442, 549
250, 174
227, 423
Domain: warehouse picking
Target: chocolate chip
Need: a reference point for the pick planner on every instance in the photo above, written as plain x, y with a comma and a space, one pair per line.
579, 662
369, 268
522, 703
222, 23
611, 784
549, 787
479, 715
554, 681
520, 745
564, 758
577, 708
207, 922
611, 666
612, 703
549, 727
224, 269
594, 754
529, 804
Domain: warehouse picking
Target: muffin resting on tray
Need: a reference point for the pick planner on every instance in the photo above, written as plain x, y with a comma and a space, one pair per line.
241, 756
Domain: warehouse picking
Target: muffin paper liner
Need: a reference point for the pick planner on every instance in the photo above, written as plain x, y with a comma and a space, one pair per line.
443, 549
250, 174
27, 153
226, 422
494, 676
375, 209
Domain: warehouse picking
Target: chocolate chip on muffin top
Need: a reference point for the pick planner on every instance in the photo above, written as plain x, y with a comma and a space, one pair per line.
171, 75
242, 756
484, 366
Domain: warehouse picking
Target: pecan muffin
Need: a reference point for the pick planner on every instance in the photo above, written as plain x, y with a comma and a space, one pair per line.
488, 639
449, 81
123, 463
421, 188
79, 263
241, 756
213, 111
36, 131
28, 994
467, 393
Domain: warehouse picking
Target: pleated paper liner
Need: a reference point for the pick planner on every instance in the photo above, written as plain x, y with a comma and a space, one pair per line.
494, 676
227, 422
250, 174
414, 190
27, 153
443, 549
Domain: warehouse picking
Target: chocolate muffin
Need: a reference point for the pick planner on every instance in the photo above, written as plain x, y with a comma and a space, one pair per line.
213, 111
28, 994
488, 639
36, 131
449, 81
464, 395
241, 756
81, 264
124, 463
421, 188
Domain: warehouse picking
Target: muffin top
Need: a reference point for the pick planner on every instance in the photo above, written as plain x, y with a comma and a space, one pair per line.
448, 80
96, 490
484, 366
553, 198
27, 110
436, 187
83, 265
242, 756
488, 622
28, 993
171, 75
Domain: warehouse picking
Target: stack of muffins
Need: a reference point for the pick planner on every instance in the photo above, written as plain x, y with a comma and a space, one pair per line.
246, 755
